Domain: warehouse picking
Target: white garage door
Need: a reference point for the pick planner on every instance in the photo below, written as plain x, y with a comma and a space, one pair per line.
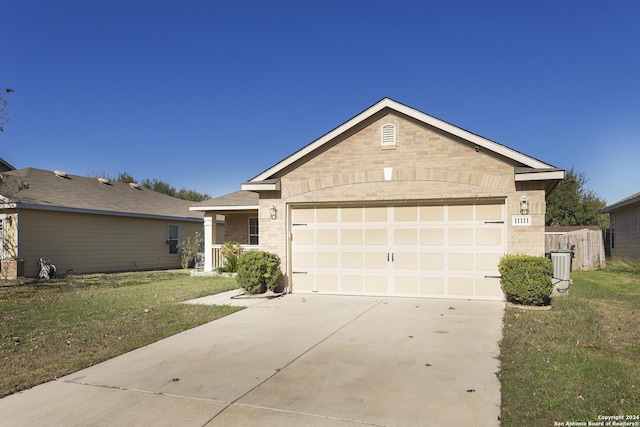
449, 251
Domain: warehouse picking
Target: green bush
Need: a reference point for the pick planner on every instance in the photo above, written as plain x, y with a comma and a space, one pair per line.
526, 279
258, 271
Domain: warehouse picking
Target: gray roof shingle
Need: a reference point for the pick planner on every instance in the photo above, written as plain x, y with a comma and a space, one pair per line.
43, 189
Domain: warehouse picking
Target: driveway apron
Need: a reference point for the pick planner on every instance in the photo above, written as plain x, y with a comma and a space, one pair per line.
308, 360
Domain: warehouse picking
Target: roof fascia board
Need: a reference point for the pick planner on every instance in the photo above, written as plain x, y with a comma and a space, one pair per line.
620, 205
108, 213
224, 208
261, 186
411, 112
540, 176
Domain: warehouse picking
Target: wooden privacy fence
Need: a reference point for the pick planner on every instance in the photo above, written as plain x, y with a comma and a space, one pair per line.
588, 253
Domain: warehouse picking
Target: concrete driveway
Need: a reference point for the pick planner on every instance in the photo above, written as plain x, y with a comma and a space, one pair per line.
306, 360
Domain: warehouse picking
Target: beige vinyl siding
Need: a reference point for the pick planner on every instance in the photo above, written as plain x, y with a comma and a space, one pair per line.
88, 243
627, 236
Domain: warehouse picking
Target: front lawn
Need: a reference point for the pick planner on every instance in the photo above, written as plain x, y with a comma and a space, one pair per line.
52, 328
579, 361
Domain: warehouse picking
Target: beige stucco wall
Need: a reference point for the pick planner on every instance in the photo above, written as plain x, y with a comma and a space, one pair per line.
627, 235
427, 166
87, 243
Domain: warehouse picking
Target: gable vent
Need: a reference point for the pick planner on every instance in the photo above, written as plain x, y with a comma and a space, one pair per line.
388, 135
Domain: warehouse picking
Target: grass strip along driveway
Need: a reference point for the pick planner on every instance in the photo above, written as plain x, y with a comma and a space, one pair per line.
52, 328
578, 362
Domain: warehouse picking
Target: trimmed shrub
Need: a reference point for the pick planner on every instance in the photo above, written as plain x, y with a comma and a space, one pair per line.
526, 279
258, 271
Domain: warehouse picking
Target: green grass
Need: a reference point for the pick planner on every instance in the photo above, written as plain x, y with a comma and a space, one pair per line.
52, 328
579, 360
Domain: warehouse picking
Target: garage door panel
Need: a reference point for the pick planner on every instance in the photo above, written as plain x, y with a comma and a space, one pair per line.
351, 214
431, 213
405, 261
304, 282
461, 261
460, 236
406, 213
375, 260
405, 236
375, 214
303, 215
461, 286
351, 260
489, 213
406, 285
327, 214
327, 260
375, 237
304, 260
487, 262
327, 237
352, 283
432, 286
432, 236
431, 261
489, 237
376, 284
327, 282
304, 237
488, 287
460, 213
351, 236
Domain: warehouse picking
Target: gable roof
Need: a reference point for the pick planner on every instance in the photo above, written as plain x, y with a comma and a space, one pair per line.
622, 203
31, 188
528, 168
238, 200
5, 166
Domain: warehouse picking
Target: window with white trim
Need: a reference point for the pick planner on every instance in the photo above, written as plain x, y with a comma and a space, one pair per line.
388, 136
173, 238
253, 231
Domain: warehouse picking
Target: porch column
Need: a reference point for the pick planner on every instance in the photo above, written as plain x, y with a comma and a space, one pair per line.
209, 238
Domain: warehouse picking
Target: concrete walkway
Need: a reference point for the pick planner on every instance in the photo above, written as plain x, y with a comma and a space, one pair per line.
307, 360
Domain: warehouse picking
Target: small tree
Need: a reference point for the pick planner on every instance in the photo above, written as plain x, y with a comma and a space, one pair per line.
188, 250
231, 252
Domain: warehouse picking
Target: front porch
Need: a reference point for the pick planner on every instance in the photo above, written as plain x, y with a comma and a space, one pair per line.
229, 218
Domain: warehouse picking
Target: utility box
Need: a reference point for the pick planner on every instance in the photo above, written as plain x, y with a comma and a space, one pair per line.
561, 261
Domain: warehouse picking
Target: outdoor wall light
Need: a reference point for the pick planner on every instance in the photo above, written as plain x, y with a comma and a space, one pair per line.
524, 206
273, 211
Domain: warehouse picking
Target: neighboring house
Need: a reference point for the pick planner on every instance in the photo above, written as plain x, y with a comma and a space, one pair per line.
624, 227
89, 225
394, 202
5, 166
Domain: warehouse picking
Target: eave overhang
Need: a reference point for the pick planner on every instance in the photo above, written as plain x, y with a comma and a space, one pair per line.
97, 212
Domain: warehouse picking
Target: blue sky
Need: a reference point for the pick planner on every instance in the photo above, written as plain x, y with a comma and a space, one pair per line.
207, 94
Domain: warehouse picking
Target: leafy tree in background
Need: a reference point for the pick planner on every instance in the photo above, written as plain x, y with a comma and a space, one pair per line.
165, 188
155, 185
3, 107
571, 204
